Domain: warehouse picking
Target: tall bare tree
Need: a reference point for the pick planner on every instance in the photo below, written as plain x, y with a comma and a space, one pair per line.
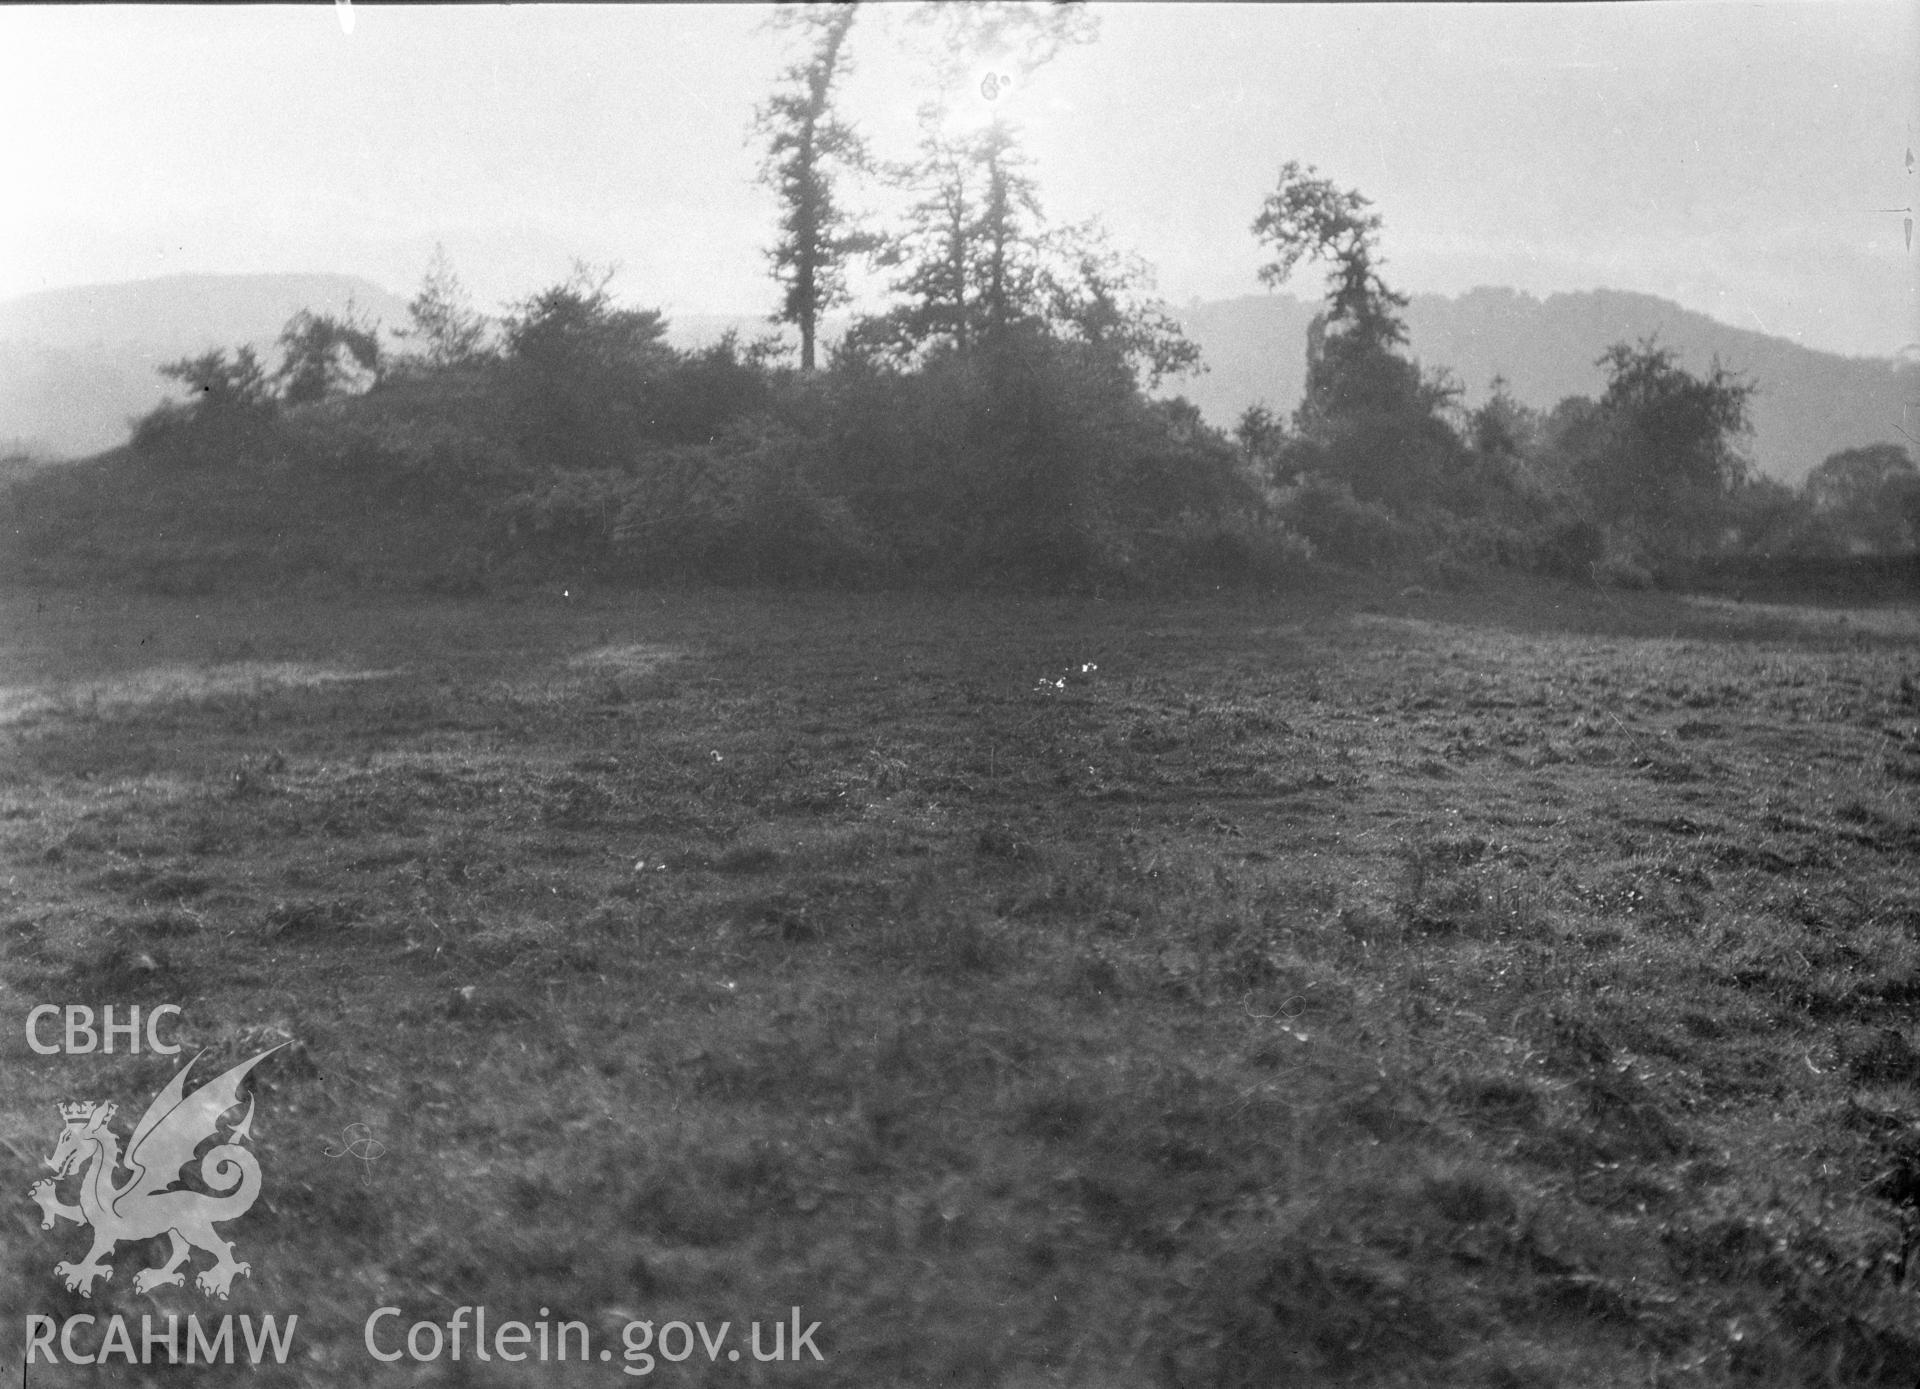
1370, 417
1007, 236
808, 147
936, 244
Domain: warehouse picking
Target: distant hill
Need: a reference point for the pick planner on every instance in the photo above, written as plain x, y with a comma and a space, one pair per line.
77, 364
1810, 404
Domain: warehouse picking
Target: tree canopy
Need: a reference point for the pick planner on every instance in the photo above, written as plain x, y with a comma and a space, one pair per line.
443, 325
1663, 452
323, 355
1309, 218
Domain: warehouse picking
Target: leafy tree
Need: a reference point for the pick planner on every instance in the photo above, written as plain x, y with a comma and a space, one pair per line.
1103, 298
442, 320
1566, 434
1497, 483
227, 417
1856, 477
808, 146
937, 252
1034, 459
584, 376
1005, 261
707, 391
1661, 459
981, 270
323, 356
972, 247
574, 324
1503, 428
217, 386
1869, 497
1308, 218
1770, 518
1262, 435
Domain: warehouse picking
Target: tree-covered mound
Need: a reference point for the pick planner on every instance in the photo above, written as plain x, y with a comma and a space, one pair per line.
986, 420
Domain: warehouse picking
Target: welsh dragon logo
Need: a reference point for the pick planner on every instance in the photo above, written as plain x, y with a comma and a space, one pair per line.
148, 1203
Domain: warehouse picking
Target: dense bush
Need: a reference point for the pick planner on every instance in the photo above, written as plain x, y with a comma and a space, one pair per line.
1865, 501
227, 418
322, 356
1658, 459
1032, 461
580, 378
1342, 528
775, 524
744, 508
1570, 549
1244, 547
431, 439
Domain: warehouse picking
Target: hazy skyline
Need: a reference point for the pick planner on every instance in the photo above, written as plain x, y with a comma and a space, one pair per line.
1747, 161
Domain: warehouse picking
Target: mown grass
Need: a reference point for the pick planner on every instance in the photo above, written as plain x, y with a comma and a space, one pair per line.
1503, 988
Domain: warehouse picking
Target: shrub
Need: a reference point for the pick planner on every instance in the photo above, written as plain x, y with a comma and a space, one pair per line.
1660, 462
580, 377
1343, 529
1252, 547
323, 356
1033, 461
1570, 550
570, 513
227, 419
704, 392
743, 509
779, 527
431, 438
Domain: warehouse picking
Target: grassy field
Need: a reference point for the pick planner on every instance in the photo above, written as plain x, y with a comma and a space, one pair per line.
1505, 988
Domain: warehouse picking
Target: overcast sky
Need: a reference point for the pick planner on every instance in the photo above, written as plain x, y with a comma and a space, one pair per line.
1747, 160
